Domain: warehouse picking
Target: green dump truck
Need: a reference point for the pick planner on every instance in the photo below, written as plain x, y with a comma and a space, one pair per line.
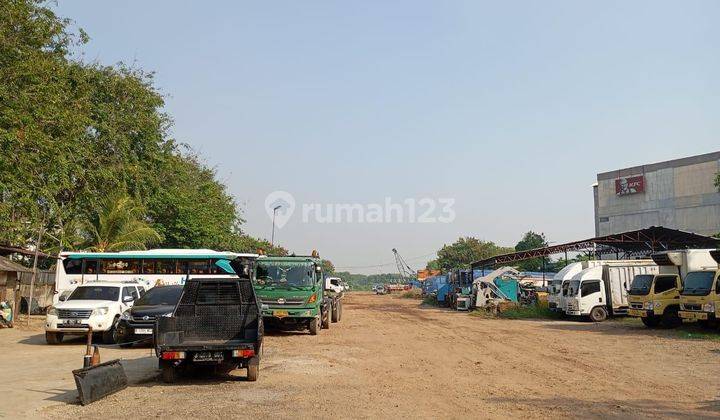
292, 293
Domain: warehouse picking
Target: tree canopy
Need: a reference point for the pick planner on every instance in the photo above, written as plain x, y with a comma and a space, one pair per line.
72, 133
465, 251
531, 240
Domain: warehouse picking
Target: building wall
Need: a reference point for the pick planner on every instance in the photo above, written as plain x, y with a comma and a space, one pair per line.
679, 194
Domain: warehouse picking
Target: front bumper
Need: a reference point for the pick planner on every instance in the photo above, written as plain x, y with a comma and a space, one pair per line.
130, 331
281, 312
641, 313
697, 315
98, 323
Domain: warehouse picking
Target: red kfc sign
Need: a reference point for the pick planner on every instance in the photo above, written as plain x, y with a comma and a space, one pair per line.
630, 185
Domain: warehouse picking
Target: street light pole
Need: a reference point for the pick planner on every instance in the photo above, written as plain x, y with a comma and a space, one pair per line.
272, 237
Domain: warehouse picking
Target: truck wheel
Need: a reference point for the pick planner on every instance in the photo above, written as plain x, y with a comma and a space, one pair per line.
336, 312
707, 324
671, 319
253, 369
314, 326
598, 314
168, 373
650, 321
53, 337
326, 320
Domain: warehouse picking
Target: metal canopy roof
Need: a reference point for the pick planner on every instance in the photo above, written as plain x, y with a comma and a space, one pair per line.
633, 243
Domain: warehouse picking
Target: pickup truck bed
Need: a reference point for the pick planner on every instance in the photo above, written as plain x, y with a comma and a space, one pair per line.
218, 316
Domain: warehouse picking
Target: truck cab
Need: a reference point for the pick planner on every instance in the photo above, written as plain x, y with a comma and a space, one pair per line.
655, 299
700, 295
598, 292
291, 290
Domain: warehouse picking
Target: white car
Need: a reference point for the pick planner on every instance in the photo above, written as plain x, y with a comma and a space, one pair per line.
96, 305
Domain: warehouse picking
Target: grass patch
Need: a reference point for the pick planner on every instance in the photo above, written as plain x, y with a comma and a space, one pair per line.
412, 294
529, 312
430, 300
698, 335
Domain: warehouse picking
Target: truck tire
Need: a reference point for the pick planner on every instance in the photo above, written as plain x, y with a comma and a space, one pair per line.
314, 326
670, 318
651, 321
53, 337
598, 314
253, 369
169, 373
326, 320
335, 312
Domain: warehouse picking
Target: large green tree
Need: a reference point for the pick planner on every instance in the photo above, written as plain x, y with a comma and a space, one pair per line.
465, 251
531, 240
72, 133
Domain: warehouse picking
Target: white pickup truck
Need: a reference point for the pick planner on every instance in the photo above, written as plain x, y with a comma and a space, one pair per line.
96, 305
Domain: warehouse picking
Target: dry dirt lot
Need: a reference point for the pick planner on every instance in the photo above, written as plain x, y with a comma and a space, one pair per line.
390, 357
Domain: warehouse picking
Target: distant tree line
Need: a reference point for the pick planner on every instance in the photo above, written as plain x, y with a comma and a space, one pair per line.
466, 250
86, 157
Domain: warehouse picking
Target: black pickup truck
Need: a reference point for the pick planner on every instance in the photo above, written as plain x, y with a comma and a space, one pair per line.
215, 323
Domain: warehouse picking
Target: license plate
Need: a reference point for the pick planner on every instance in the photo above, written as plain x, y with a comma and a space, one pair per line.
280, 314
637, 312
143, 330
208, 356
693, 315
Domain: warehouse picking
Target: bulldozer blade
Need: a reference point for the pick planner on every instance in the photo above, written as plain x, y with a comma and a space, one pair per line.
96, 382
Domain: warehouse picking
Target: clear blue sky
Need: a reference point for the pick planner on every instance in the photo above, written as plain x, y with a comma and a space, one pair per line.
510, 107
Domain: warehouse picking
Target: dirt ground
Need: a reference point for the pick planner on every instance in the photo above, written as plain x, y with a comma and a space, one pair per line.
391, 357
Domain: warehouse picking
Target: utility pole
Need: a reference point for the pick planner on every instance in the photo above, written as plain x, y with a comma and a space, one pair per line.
34, 272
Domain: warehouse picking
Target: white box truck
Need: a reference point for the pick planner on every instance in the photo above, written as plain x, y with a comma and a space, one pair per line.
601, 291
557, 292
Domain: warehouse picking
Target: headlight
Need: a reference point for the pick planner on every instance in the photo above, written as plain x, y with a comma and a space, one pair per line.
52, 311
168, 315
648, 306
100, 311
709, 307
125, 315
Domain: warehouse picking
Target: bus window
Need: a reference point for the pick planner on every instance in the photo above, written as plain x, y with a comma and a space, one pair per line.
148, 267
91, 267
119, 266
165, 267
72, 266
198, 267
181, 267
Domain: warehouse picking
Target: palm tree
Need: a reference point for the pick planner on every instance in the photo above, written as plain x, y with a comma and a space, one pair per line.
118, 225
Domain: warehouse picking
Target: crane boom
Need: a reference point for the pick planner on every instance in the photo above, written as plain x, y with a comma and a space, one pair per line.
406, 273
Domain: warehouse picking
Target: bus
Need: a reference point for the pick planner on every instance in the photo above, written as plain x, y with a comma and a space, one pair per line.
149, 268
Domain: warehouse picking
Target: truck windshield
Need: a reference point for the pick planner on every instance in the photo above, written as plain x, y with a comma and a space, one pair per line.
698, 283
641, 284
95, 293
573, 287
284, 274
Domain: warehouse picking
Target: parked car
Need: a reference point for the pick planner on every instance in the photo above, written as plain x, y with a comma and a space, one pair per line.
138, 322
96, 305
